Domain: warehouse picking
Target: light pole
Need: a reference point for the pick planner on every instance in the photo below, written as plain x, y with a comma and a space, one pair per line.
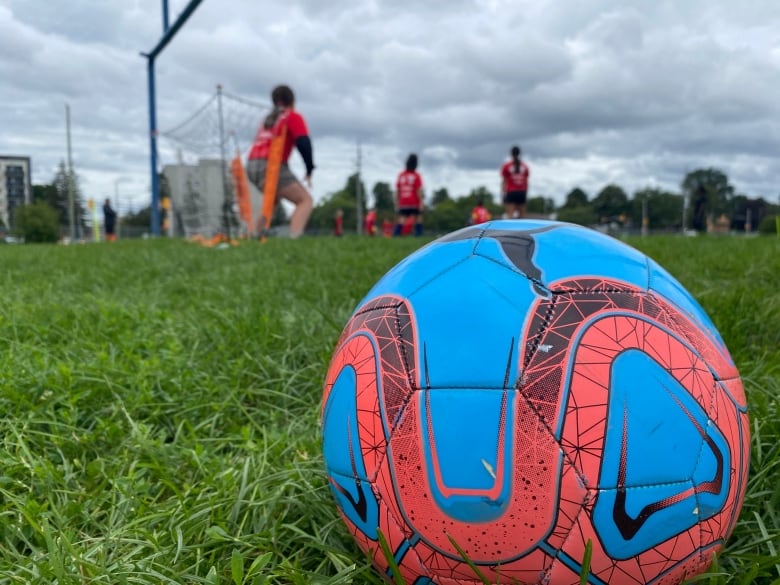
70, 185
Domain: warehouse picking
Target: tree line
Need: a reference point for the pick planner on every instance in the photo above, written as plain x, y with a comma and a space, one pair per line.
707, 190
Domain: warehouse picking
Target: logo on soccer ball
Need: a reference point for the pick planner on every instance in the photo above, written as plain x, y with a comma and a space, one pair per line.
516, 392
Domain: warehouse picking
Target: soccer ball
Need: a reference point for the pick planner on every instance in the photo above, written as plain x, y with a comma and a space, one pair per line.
523, 401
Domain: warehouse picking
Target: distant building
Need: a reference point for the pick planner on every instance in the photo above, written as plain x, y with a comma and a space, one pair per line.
15, 186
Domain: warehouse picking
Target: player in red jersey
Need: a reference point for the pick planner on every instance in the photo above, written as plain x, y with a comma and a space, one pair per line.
514, 187
370, 222
409, 197
387, 227
480, 213
284, 118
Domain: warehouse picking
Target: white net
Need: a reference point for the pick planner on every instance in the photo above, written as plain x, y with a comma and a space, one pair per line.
197, 166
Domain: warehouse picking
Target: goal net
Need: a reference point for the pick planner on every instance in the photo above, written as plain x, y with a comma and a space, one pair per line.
203, 171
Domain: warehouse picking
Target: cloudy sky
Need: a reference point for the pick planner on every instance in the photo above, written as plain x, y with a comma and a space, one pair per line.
595, 91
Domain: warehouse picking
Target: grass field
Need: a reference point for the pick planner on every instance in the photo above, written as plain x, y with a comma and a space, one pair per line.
160, 405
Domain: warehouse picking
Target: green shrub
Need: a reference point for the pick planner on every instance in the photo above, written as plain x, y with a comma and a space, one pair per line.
768, 225
582, 215
37, 222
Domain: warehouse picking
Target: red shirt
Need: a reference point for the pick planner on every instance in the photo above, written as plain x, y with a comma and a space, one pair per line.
296, 127
262, 143
480, 214
370, 221
515, 181
408, 188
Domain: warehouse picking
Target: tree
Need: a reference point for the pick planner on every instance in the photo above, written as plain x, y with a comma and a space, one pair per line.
323, 214
576, 198
664, 209
37, 222
581, 214
60, 183
474, 196
351, 188
346, 200
748, 213
447, 216
577, 209
717, 190
440, 196
611, 204
45, 193
142, 218
56, 195
466, 203
383, 198
769, 225
540, 205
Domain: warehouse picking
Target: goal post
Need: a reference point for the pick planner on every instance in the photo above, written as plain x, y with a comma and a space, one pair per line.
168, 33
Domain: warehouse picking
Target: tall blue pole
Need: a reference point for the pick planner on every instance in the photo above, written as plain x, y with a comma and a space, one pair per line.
168, 34
165, 15
155, 220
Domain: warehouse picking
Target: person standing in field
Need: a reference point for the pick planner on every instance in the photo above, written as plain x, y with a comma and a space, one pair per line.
514, 185
109, 221
370, 222
480, 213
338, 223
284, 118
409, 197
387, 227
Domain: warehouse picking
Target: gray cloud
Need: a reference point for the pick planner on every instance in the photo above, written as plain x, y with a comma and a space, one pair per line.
595, 92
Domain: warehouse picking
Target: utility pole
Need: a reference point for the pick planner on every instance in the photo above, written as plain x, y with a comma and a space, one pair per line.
358, 193
71, 195
118, 206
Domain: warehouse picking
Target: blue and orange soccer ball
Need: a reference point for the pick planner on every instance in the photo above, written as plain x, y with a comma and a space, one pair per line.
514, 394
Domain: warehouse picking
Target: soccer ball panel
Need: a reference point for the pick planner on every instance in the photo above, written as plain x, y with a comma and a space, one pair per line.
668, 287
472, 342
429, 263
589, 253
537, 250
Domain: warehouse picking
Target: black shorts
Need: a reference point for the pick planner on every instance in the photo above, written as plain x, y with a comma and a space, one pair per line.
515, 197
407, 211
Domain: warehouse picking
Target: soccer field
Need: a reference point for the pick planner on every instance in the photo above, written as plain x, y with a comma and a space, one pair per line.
160, 405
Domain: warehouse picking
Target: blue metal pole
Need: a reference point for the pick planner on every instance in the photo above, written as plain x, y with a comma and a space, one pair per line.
165, 15
155, 220
169, 33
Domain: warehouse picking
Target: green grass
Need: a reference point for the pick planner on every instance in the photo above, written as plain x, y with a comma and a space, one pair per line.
160, 405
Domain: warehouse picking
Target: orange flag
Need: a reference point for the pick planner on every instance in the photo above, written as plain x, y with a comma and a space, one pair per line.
272, 180
243, 196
